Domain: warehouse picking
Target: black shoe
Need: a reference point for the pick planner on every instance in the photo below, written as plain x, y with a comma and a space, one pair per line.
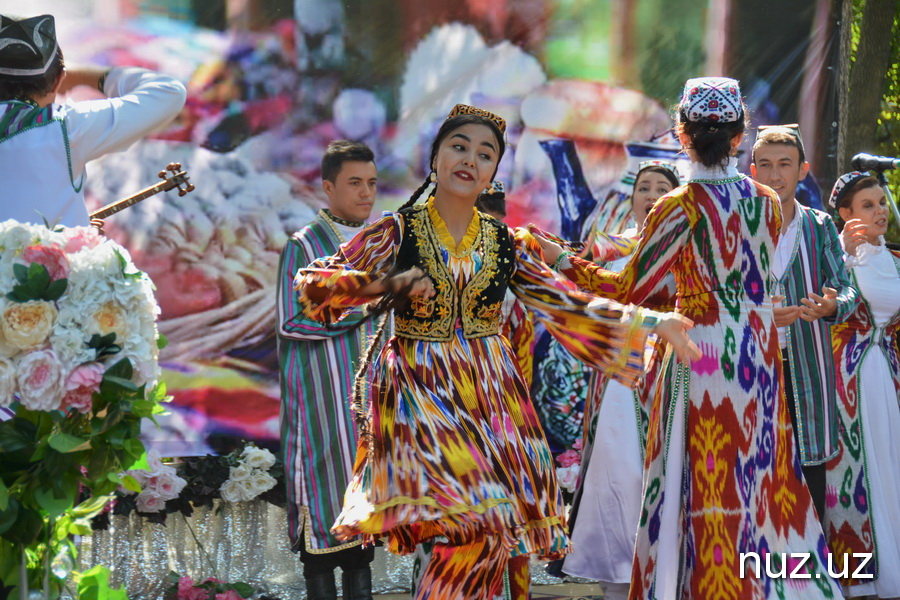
357, 584
321, 587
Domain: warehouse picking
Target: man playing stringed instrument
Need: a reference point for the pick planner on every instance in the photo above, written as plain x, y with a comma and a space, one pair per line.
45, 146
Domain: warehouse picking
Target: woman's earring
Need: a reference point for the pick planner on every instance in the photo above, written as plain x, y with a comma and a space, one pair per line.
433, 177
491, 190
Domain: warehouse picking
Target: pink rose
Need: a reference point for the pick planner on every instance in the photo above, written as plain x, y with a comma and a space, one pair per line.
185, 584
40, 380
81, 384
79, 238
198, 594
52, 257
568, 477
229, 595
578, 445
568, 458
150, 502
169, 485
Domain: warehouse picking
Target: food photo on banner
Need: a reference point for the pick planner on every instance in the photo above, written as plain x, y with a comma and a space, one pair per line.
585, 86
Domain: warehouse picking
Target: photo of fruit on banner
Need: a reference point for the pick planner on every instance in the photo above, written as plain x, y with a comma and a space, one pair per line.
78, 373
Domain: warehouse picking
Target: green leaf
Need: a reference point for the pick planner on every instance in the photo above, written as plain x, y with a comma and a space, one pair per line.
131, 484
56, 501
91, 506
65, 443
4, 496
243, 589
9, 515
120, 382
94, 585
121, 369
79, 528
38, 277
162, 341
21, 273
56, 289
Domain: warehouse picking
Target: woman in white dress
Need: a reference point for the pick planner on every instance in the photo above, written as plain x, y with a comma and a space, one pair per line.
863, 482
608, 499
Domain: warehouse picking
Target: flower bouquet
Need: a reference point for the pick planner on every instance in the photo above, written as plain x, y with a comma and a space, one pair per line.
78, 372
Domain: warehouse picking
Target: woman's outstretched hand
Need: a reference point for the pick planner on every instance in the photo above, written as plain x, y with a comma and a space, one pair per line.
551, 250
415, 281
673, 328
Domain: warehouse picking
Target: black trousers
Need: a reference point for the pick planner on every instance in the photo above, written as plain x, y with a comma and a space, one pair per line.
350, 559
814, 474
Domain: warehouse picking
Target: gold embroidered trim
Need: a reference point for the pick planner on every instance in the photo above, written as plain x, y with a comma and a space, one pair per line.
467, 244
442, 306
305, 527
481, 320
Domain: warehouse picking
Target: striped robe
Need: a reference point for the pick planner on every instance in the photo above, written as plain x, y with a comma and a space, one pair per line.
816, 261
317, 365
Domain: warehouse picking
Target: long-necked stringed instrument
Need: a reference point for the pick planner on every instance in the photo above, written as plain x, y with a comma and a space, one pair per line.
179, 179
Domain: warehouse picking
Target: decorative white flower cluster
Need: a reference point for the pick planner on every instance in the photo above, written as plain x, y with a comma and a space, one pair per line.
568, 477
45, 358
250, 478
159, 484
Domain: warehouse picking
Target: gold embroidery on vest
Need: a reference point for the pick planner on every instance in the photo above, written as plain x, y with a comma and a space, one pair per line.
480, 320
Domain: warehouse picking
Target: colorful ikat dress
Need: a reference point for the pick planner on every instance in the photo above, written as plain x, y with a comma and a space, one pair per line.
722, 476
456, 448
862, 499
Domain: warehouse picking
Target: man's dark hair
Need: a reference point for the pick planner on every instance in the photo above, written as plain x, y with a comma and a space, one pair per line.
341, 151
778, 135
12, 88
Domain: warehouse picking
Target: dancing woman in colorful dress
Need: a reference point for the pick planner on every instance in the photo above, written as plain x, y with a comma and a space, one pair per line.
723, 482
452, 446
607, 503
862, 504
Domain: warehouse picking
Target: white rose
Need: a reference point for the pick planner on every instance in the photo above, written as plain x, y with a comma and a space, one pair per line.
150, 502
258, 458
248, 489
40, 380
568, 477
7, 381
231, 491
262, 481
239, 473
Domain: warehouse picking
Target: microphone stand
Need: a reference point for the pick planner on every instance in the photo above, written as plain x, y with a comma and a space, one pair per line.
882, 180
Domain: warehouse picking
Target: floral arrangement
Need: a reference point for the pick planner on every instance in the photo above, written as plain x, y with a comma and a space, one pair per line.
159, 484
184, 588
78, 373
250, 477
73, 305
246, 473
569, 467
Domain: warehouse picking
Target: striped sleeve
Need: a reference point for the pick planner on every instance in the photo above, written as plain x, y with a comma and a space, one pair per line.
601, 333
835, 275
329, 286
293, 324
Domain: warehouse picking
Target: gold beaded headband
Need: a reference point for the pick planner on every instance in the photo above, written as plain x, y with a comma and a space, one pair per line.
465, 109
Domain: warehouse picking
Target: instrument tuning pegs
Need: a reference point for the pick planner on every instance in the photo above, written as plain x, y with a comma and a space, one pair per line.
184, 190
162, 174
173, 166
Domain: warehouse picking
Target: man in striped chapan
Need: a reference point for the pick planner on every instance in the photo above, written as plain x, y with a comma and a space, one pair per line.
809, 269
318, 432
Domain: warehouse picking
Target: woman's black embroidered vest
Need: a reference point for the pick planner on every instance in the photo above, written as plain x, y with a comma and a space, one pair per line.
478, 306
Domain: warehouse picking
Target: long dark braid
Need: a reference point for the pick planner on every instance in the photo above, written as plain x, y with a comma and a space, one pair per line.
416, 194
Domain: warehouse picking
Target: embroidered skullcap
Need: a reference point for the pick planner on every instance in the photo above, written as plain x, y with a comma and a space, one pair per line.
27, 46
465, 109
663, 164
843, 185
712, 100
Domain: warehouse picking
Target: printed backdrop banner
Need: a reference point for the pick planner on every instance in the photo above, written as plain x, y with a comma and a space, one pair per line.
586, 87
